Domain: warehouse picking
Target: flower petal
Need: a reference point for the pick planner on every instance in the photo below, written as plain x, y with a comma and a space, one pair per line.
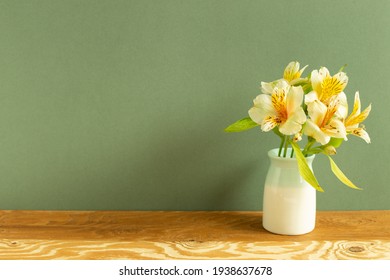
323, 72
332, 86
282, 84
267, 88
269, 123
342, 110
356, 106
257, 115
294, 99
264, 102
335, 129
342, 77
356, 116
294, 123
303, 69
299, 116
363, 115
291, 70
316, 81
362, 133
311, 97
312, 130
317, 111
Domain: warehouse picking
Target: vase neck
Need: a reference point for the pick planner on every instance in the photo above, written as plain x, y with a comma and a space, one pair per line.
288, 161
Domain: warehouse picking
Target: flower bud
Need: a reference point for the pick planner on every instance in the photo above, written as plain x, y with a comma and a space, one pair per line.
330, 150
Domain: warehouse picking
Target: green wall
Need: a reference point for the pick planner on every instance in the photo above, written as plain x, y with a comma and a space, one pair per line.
122, 104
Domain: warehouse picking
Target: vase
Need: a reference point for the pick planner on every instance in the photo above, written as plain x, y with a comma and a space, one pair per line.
289, 202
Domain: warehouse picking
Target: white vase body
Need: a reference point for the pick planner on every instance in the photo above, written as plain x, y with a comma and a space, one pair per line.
289, 202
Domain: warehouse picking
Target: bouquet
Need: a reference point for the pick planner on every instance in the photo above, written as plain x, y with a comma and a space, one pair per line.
314, 108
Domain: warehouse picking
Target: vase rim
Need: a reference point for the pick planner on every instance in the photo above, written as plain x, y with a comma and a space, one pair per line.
273, 153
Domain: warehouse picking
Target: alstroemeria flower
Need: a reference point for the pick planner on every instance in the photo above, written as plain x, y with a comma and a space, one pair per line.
281, 108
355, 118
326, 86
323, 122
292, 75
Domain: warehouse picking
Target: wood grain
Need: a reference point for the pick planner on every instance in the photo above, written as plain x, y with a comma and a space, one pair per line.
187, 235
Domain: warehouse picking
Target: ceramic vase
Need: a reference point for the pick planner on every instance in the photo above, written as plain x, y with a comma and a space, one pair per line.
289, 202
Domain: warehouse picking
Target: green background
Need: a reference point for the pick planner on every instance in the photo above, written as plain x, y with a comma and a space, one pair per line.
122, 104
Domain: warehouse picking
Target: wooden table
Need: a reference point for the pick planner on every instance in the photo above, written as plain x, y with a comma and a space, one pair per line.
187, 235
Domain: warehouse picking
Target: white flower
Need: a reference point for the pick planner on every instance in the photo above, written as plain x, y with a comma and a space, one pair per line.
281, 108
323, 122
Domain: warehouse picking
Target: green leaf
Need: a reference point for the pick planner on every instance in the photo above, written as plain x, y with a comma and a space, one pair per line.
241, 125
341, 176
304, 168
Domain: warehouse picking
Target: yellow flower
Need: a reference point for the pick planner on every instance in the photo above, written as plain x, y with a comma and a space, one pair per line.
326, 86
355, 118
281, 108
324, 122
292, 73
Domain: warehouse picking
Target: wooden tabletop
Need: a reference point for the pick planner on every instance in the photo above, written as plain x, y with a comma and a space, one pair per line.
187, 235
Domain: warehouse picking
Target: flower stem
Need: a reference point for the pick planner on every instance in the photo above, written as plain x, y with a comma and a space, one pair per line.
285, 146
281, 145
308, 146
